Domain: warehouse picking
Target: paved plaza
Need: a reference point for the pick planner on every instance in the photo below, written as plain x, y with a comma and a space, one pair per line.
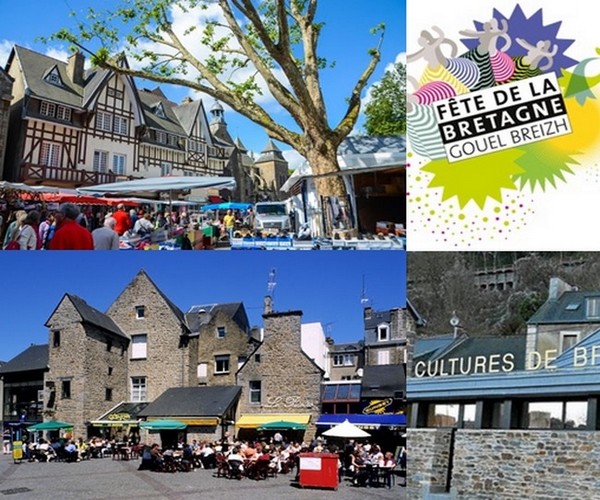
108, 479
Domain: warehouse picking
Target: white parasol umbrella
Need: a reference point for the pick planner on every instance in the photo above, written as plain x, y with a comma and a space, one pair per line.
346, 430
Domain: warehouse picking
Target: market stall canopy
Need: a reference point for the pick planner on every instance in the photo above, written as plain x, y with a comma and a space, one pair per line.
51, 425
359, 154
253, 421
346, 430
226, 206
163, 425
157, 184
282, 425
360, 420
17, 186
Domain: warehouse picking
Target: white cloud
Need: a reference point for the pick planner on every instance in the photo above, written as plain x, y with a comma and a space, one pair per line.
293, 158
5, 48
60, 54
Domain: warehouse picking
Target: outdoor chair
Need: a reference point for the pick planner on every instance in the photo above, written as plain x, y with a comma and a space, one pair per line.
222, 466
235, 469
258, 470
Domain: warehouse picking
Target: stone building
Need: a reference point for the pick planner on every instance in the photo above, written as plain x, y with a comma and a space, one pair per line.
163, 354
6, 84
279, 381
87, 360
346, 360
224, 341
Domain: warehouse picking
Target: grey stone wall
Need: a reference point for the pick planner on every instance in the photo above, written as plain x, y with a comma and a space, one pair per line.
82, 358
505, 464
291, 383
234, 344
526, 464
428, 460
6, 84
167, 364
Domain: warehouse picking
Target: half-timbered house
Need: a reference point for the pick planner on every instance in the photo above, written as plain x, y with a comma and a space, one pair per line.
73, 127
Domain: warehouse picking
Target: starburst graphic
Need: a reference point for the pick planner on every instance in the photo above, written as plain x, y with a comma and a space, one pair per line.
533, 30
542, 165
475, 179
576, 84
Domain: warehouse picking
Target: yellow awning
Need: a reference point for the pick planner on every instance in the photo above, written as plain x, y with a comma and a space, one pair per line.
209, 422
250, 421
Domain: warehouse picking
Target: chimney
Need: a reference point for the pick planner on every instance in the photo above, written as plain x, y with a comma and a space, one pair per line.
367, 313
268, 305
557, 287
75, 67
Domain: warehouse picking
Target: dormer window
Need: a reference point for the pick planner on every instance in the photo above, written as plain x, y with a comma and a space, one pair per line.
140, 312
53, 77
383, 333
592, 307
159, 110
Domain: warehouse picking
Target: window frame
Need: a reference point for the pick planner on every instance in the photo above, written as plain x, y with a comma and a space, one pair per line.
50, 153
65, 389
104, 121
119, 167
145, 344
383, 327
140, 389
253, 391
100, 162
222, 358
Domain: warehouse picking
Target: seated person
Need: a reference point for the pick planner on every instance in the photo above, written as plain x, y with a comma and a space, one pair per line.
236, 462
71, 454
156, 457
359, 470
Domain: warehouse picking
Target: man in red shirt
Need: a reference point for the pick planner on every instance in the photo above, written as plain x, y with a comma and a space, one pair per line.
70, 235
122, 219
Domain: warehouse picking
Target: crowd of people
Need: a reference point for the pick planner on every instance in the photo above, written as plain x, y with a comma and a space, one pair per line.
70, 228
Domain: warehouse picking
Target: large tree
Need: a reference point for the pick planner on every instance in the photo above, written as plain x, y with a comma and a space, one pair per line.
386, 110
272, 43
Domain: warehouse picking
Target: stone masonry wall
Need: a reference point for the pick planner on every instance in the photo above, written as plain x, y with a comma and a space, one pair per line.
291, 383
234, 344
428, 459
166, 365
6, 84
507, 464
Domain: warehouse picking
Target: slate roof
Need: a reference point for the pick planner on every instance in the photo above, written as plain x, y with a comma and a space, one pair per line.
35, 357
36, 66
429, 347
94, 317
270, 153
170, 122
193, 402
200, 315
570, 307
383, 381
347, 347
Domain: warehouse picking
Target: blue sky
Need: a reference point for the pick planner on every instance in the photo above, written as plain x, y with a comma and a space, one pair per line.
345, 40
326, 286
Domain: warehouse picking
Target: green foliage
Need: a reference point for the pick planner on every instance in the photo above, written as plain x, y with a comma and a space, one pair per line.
386, 111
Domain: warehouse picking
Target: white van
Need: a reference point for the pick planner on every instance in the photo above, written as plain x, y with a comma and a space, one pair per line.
271, 217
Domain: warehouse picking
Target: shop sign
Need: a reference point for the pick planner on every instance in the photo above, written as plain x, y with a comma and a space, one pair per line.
118, 416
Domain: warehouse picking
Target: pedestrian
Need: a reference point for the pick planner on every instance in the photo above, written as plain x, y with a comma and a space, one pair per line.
28, 232
44, 229
122, 219
14, 225
69, 235
106, 238
229, 222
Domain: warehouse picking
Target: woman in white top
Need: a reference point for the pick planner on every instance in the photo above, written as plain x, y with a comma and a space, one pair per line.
28, 231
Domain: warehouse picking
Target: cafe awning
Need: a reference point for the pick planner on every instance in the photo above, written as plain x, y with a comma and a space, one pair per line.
252, 421
360, 420
123, 414
163, 425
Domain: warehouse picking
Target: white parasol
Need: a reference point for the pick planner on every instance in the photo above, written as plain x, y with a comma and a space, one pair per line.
346, 430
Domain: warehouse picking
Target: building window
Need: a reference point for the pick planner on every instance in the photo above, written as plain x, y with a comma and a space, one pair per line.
568, 340
161, 137
557, 415
110, 370
121, 125
66, 389
165, 168
104, 121
221, 330
139, 346
56, 339
108, 394
222, 364
592, 307
202, 370
255, 391
119, 163
50, 154
101, 161
383, 333
257, 358
140, 312
343, 360
159, 110
138, 389
452, 415
341, 392
47, 108
108, 345
383, 357
53, 77
63, 114
241, 361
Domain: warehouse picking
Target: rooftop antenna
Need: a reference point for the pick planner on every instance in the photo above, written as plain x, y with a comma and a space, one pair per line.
364, 300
